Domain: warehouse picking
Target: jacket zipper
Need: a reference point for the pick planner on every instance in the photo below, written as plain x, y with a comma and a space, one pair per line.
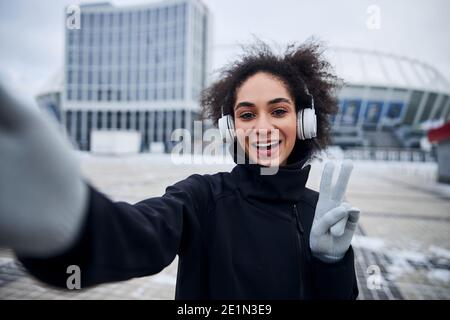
300, 239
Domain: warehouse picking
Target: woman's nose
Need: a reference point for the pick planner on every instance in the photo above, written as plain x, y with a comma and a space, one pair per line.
264, 127
263, 122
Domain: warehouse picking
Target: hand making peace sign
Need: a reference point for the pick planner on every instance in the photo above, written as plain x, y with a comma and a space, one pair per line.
334, 221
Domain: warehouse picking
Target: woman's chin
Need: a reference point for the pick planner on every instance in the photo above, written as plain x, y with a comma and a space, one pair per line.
266, 161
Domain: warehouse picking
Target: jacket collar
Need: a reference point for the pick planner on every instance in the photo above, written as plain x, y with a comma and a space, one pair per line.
286, 185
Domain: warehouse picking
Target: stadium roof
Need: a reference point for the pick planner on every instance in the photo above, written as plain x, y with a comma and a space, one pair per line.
365, 67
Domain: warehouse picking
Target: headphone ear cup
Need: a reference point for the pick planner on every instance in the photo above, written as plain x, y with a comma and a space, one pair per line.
300, 125
306, 124
226, 128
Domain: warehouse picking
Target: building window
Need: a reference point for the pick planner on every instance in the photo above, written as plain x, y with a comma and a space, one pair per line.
441, 108
80, 76
128, 120
69, 121
395, 110
119, 120
91, 21
157, 126
70, 36
413, 106
137, 121
428, 107
109, 119
70, 57
78, 127
69, 76
99, 120
89, 129
373, 112
183, 115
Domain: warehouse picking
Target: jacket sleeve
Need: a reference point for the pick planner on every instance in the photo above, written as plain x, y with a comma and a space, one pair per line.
336, 281
119, 241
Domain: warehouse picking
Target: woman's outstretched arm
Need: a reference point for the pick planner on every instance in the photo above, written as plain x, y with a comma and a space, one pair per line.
52, 219
119, 241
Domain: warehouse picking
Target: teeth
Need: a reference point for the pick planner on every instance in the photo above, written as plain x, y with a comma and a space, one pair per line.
265, 145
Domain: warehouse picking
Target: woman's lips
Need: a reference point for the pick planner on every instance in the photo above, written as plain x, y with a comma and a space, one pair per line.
266, 150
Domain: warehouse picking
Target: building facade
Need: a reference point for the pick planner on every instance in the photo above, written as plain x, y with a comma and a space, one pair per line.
138, 68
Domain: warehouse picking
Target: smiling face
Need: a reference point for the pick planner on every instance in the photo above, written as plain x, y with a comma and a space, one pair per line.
265, 119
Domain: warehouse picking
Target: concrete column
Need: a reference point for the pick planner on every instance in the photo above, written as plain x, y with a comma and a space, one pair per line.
141, 119
73, 130
114, 120
420, 109
103, 117
178, 118
160, 120
84, 130
94, 120
133, 120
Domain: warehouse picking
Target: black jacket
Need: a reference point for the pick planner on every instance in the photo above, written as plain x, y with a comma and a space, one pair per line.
238, 235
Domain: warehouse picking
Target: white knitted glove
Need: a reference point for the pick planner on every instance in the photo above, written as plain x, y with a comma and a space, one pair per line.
334, 221
42, 194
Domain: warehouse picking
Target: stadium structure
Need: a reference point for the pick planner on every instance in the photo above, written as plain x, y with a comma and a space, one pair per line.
387, 100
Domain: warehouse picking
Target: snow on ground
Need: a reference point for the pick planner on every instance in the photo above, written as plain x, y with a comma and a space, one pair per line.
434, 261
439, 275
369, 243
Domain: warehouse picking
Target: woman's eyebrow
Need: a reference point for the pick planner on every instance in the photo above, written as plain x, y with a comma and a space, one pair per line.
244, 104
278, 100
273, 101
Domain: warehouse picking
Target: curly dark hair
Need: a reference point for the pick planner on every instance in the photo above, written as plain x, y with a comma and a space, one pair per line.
298, 66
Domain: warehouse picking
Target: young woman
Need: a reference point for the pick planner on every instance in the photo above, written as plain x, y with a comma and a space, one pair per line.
239, 234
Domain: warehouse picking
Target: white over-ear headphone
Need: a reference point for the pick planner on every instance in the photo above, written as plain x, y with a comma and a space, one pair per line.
306, 123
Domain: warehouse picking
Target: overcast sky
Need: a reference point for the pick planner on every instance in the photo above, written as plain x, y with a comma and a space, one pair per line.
31, 32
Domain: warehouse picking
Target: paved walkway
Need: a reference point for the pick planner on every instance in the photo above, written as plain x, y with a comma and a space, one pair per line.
402, 246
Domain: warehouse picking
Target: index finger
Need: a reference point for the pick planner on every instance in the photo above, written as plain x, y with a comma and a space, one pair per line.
327, 177
342, 182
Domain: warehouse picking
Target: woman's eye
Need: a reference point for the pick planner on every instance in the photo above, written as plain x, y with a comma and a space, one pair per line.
279, 112
246, 115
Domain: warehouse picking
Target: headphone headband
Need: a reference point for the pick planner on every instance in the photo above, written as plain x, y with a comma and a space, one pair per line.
310, 96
